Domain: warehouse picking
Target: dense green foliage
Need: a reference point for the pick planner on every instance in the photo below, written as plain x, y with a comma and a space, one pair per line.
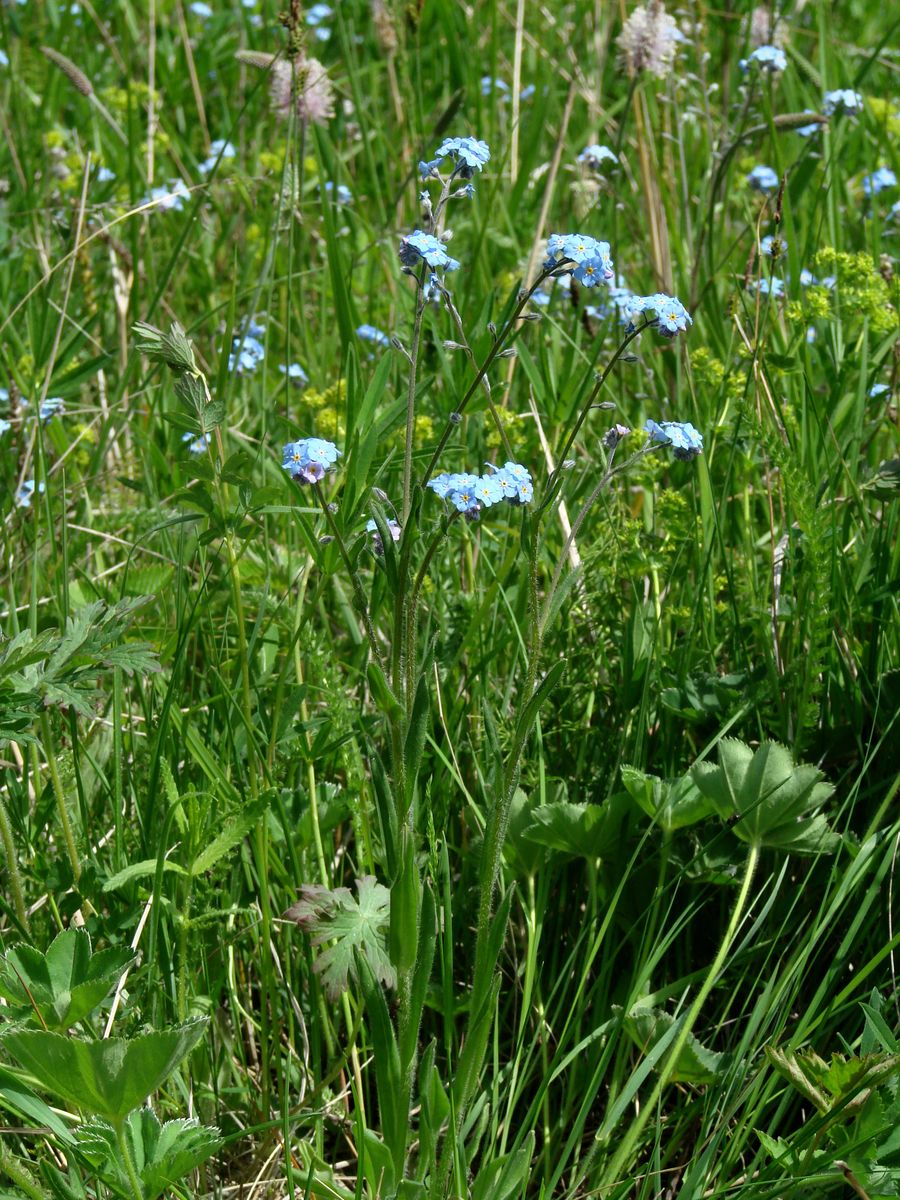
498, 863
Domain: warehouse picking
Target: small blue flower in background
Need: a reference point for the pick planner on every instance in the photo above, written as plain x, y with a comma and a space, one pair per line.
4, 425
527, 92
172, 196
377, 542
686, 441
470, 154
424, 247
768, 287
220, 149
200, 9
343, 195
197, 445
50, 407
105, 175
295, 374
763, 179
315, 17
807, 279
879, 389
595, 156
4, 61
309, 458
368, 333
25, 493
247, 352
592, 260
489, 85
767, 58
808, 130
879, 181
843, 100
774, 246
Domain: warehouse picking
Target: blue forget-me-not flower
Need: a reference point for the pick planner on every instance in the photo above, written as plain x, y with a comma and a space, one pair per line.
685, 440
419, 247
879, 181
308, 459
767, 58
843, 100
763, 179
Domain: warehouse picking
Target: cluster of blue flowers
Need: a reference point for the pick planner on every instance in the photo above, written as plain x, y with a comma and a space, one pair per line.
881, 180
25, 493
369, 333
53, 406
219, 150
171, 196
247, 349
808, 130
774, 247
308, 459
593, 157
763, 179
419, 247
843, 100
469, 154
878, 390
587, 259
685, 440
767, 58
316, 16
197, 445
341, 193
469, 494
670, 315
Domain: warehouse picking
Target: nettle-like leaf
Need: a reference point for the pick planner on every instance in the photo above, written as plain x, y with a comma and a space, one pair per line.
696, 1064
775, 802
62, 986
352, 924
162, 1153
108, 1078
671, 803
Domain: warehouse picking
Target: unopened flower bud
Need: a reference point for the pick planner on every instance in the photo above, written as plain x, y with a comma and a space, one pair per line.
455, 418
568, 464
492, 329
448, 345
507, 353
325, 539
332, 508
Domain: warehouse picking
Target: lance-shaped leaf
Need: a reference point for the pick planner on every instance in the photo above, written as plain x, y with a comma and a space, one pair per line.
59, 988
352, 925
109, 1078
775, 802
162, 1154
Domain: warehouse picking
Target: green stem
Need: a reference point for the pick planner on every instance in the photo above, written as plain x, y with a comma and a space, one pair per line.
20, 1175
358, 593
648, 1109
411, 395
133, 1179
56, 782
12, 867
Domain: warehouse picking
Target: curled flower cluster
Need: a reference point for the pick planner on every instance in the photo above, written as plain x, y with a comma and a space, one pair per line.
843, 100
308, 459
469, 154
594, 156
419, 247
469, 494
763, 179
685, 440
591, 259
669, 313
767, 58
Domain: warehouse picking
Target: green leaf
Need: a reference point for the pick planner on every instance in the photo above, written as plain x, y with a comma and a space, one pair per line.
63, 985
774, 801
671, 803
162, 1154
377, 1165
140, 870
583, 830
22, 1101
109, 1077
696, 1064
352, 924
505, 1176
235, 829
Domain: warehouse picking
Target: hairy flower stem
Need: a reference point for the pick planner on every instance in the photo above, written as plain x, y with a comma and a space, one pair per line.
358, 594
482, 371
620, 1160
56, 782
411, 395
127, 1161
20, 1175
12, 867
582, 416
